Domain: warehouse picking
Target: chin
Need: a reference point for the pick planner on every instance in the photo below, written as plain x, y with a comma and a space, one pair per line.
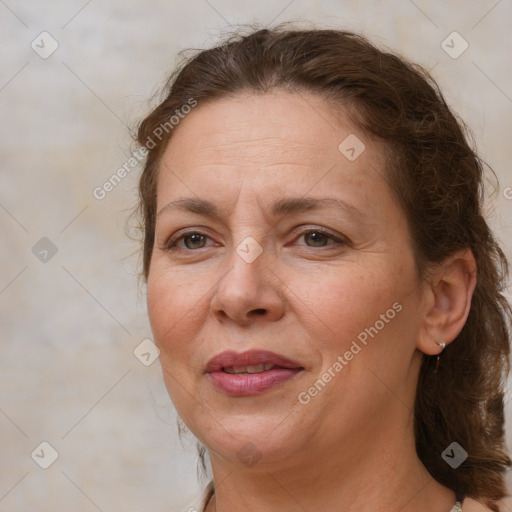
245, 440
251, 451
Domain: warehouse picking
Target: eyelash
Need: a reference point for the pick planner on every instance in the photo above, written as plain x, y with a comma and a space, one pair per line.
171, 245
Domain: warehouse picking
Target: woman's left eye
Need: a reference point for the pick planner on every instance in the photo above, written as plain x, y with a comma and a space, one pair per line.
319, 237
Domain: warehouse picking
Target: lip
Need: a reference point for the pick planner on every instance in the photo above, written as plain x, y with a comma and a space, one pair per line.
250, 384
250, 357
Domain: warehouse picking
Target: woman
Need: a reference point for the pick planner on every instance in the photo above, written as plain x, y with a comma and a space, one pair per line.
323, 288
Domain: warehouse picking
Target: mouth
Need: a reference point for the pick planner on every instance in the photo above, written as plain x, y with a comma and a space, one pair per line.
252, 368
250, 373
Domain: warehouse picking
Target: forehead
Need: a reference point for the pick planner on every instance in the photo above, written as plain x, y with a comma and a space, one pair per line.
280, 139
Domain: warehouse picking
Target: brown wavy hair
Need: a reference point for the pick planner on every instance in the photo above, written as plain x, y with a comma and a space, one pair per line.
439, 182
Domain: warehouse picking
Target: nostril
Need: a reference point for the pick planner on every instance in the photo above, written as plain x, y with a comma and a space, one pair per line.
260, 311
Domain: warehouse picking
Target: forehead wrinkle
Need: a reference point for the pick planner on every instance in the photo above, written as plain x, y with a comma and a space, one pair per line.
279, 143
298, 155
278, 208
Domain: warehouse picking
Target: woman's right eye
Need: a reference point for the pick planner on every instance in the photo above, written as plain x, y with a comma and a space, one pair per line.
192, 240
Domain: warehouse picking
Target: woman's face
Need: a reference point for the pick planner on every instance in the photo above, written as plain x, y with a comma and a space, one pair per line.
295, 254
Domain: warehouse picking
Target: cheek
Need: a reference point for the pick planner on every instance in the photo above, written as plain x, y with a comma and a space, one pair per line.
343, 302
172, 318
171, 309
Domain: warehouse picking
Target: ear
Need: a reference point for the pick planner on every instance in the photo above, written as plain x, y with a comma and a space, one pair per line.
447, 301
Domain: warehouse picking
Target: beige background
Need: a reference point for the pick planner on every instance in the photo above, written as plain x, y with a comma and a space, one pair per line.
68, 375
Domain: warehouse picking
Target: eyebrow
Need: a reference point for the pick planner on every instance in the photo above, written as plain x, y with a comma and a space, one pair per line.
284, 206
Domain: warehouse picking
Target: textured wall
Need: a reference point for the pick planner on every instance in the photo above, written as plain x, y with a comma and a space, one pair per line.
71, 319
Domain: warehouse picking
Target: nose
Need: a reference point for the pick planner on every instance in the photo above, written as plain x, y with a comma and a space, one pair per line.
249, 292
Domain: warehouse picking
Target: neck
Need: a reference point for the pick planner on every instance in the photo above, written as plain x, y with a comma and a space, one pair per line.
377, 472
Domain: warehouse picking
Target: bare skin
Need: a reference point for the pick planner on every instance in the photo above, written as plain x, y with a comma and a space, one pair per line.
306, 296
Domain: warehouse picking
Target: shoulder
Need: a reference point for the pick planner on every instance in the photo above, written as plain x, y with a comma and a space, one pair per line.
206, 496
200, 503
470, 505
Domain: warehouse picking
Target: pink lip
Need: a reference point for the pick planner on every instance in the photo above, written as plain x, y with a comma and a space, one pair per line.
250, 384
